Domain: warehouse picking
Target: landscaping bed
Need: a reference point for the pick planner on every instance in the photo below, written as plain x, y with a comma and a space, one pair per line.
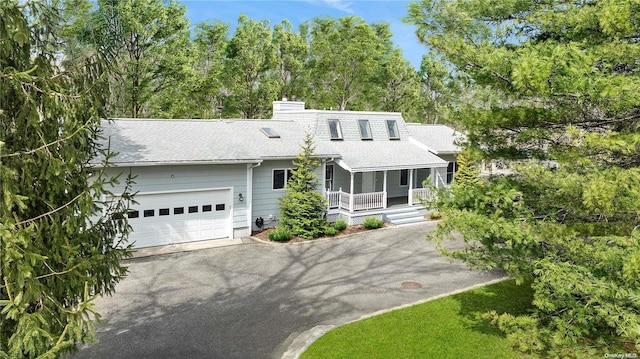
264, 235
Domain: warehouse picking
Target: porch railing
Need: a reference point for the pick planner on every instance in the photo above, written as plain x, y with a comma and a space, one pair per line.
368, 200
361, 201
420, 194
334, 199
344, 200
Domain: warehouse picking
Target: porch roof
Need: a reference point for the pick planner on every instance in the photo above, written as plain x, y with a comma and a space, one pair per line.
438, 139
366, 156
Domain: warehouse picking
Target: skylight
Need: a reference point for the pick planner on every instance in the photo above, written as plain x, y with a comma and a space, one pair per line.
270, 132
365, 130
335, 129
392, 127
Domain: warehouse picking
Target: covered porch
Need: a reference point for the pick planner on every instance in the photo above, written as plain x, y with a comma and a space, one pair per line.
372, 190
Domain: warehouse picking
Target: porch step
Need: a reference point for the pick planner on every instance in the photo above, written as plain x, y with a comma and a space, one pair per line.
404, 216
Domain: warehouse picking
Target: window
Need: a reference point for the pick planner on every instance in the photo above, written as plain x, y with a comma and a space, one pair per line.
149, 212
220, 207
392, 128
328, 178
178, 210
193, 209
133, 214
452, 167
163, 212
335, 130
206, 208
281, 177
278, 179
365, 130
404, 177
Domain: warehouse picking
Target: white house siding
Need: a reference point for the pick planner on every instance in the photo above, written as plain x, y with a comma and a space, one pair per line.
265, 198
192, 177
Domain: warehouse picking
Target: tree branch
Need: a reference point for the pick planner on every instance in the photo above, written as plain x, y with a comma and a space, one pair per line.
50, 212
47, 145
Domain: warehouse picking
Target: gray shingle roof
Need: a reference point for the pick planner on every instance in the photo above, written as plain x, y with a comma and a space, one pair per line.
440, 139
149, 141
155, 141
384, 155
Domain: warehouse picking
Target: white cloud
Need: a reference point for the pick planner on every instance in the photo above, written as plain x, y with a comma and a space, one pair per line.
341, 5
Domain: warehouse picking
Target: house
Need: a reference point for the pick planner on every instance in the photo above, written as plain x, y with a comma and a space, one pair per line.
207, 179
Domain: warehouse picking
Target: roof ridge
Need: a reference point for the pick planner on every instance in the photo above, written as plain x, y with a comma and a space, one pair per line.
220, 120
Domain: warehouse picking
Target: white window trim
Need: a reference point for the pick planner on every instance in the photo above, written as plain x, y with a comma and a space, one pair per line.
286, 176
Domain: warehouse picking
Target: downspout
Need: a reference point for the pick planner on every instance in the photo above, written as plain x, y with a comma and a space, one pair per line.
249, 199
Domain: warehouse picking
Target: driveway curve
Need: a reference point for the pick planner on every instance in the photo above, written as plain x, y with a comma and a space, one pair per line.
254, 300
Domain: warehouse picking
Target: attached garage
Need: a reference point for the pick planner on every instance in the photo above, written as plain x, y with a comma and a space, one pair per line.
179, 217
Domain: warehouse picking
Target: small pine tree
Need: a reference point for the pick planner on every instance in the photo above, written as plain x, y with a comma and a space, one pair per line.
467, 174
302, 209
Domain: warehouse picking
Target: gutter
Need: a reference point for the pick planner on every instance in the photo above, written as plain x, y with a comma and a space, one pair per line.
174, 163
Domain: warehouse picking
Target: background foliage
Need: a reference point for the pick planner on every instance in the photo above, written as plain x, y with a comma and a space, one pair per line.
160, 68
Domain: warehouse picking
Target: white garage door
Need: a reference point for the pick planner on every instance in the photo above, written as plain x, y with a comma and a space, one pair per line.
179, 217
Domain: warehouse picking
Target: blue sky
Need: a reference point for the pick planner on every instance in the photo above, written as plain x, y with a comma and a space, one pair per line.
298, 11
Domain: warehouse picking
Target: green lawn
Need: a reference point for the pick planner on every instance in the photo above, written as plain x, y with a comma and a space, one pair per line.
449, 327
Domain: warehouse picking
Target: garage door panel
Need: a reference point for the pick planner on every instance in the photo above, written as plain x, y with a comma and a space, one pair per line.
167, 218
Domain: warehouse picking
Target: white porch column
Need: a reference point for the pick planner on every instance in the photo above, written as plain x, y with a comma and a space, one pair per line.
410, 186
351, 194
384, 189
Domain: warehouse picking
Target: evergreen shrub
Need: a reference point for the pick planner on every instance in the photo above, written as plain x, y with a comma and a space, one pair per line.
330, 231
372, 223
340, 225
280, 234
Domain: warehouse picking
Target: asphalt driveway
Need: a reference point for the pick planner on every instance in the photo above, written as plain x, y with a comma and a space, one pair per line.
259, 300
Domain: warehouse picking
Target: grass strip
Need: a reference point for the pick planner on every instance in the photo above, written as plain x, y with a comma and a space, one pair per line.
449, 327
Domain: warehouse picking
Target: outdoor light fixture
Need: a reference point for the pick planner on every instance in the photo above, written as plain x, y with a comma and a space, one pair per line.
240, 197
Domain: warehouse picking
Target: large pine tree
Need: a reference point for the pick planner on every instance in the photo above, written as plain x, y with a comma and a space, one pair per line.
58, 250
563, 79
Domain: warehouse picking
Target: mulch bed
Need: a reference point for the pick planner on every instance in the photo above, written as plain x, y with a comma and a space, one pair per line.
264, 235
